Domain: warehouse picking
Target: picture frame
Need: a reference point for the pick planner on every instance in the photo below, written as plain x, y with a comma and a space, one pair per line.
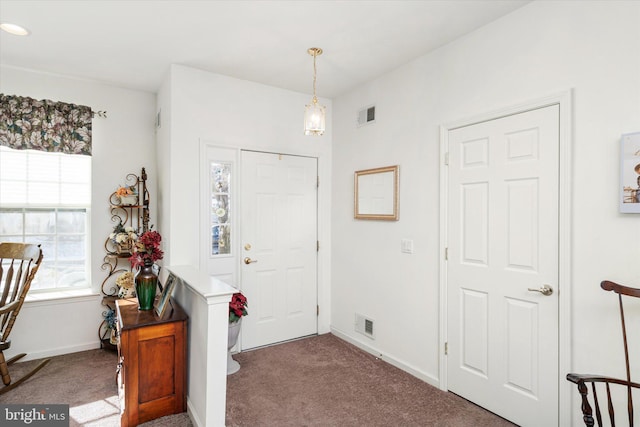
165, 296
629, 190
376, 193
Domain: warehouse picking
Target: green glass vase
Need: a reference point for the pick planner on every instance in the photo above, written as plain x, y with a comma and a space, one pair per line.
146, 283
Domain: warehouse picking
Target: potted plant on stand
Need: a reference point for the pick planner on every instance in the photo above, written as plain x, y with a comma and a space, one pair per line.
127, 195
123, 238
237, 309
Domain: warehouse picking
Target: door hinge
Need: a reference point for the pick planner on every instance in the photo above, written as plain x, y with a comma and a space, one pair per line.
317, 245
446, 348
318, 181
446, 158
317, 310
446, 254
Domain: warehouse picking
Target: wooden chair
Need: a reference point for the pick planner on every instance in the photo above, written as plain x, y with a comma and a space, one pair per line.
19, 263
608, 383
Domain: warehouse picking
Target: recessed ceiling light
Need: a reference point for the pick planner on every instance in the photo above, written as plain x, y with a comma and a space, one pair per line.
14, 29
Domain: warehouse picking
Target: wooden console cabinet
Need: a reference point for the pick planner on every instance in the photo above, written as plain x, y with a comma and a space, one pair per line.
152, 357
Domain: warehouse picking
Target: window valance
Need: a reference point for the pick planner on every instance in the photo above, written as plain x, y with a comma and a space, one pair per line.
30, 124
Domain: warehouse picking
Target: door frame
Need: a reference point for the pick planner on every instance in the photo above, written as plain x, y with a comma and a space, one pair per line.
323, 272
564, 100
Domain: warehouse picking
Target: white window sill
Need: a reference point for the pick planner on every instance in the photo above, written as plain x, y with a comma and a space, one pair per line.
76, 295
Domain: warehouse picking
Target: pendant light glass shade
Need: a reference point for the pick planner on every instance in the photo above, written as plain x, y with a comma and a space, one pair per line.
314, 118
314, 113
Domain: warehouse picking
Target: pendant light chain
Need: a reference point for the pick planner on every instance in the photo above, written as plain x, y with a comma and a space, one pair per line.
314, 113
315, 98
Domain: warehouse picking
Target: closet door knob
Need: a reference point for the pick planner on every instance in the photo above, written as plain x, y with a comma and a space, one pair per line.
544, 290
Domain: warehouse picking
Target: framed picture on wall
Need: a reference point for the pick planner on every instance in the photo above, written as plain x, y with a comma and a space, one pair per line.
630, 173
165, 297
376, 193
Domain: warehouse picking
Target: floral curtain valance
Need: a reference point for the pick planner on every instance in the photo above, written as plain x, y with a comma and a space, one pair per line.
29, 124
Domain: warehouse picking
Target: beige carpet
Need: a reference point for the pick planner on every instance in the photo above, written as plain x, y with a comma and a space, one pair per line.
318, 381
86, 381
325, 381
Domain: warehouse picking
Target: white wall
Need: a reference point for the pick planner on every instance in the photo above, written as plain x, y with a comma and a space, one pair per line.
541, 49
122, 143
199, 107
538, 50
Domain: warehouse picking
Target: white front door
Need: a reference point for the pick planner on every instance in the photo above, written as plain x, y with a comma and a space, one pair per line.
502, 242
279, 247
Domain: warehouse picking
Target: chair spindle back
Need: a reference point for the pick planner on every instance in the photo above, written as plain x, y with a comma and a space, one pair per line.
19, 263
582, 380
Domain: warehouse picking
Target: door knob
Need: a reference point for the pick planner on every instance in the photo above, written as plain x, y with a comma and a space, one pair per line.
248, 260
544, 290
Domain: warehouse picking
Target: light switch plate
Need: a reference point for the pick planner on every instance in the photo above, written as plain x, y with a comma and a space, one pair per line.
406, 246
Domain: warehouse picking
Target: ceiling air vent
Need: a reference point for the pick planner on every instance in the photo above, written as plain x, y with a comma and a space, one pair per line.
366, 116
364, 326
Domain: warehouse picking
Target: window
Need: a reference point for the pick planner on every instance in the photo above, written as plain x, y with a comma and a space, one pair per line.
220, 208
45, 198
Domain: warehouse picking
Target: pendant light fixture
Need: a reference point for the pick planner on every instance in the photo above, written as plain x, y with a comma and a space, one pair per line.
314, 113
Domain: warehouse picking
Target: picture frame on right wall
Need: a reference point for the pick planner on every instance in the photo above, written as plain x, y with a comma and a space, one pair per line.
630, 173
376, 193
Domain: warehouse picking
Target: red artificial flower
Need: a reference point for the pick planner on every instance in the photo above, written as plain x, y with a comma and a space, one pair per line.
147, 249
237, 307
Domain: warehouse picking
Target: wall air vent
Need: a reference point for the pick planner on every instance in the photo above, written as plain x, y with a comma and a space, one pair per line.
368, 327
367, 116
365, 326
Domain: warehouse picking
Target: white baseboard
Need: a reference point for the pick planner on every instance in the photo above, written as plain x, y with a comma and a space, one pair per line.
429, 379
58, 351
192, 414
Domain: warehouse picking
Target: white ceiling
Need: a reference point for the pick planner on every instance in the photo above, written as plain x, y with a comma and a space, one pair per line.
132, 43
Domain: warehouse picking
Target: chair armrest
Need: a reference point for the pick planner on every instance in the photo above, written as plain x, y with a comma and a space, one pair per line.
581, 378
9, 307
621, 289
